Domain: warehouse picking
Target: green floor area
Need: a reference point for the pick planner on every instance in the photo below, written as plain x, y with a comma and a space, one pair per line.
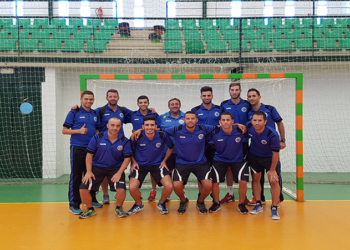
59, 193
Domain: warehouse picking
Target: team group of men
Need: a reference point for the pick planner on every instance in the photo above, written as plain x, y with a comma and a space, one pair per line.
209, 141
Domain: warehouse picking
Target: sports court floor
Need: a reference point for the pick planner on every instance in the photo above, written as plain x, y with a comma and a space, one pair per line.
36, 217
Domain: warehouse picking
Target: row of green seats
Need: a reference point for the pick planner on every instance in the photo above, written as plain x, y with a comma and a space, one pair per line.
266, 23
52, 45
197, 47
73, 23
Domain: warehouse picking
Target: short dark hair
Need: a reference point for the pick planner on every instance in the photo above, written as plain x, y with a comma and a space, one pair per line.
233, 84
191, 113
259, 112
174, 99
226, 113
87, 92
112, 91
206, 88
149, 118
141, 97
253, 89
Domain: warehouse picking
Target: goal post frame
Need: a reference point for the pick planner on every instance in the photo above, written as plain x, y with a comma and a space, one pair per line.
298, 102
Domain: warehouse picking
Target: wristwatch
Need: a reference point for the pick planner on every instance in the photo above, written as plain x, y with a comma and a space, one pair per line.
283, 140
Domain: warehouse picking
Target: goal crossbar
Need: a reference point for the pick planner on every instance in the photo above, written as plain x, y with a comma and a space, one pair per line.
298, 102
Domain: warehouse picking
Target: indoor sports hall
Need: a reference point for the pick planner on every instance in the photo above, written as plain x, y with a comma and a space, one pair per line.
296, 53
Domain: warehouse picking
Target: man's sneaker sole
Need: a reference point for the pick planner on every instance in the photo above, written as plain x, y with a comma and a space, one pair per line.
214, 211
75, 211
256, 211
239, 210
160, 208
135, 212
184, 211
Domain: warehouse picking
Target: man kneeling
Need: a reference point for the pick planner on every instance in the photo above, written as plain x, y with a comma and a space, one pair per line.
149, 158
108, 155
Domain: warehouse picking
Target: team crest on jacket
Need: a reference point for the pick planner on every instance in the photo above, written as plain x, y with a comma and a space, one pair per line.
120, 147
181, 121
217, 114
244, 109
263, 142
158, 144
95, 119
200, 136
238, 139
121, 115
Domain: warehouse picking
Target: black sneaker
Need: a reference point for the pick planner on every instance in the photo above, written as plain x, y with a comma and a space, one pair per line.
242, 209
201, 208
214, 208
183, 207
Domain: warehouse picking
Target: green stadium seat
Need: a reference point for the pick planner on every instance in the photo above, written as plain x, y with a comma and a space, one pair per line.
110, 25
194, 47
293, 35
8, 45
96, 46
272, 35
289, 22
41, 22
275, 22
85, 36
7, 23
61, 35
336, 33
233, 46
326, 44
28, 45
303, 44
73, 46
250, 34
58, 23
224, 24
41, 35
344, 44
75, 23
172, 35
102, 36
262, 45
194, 35
24, 35
210, 31
189, 24
25, 23
216, 46
258, 23
173, 46
324, 23
13, 33
246, 26
307, 22
4, 35
93, 23
342, 22
212, 37
307, 33
231, 36
318, 33
207, 24
282, 45
51, 45
172, 24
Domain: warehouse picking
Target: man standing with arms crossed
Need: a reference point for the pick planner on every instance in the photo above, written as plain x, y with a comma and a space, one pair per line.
263, 156
108, 155
81, 125
273, 119
239, 109
208, 114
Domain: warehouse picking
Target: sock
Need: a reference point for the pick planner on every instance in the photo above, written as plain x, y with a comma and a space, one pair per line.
230, 190
91, 208
118, 207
